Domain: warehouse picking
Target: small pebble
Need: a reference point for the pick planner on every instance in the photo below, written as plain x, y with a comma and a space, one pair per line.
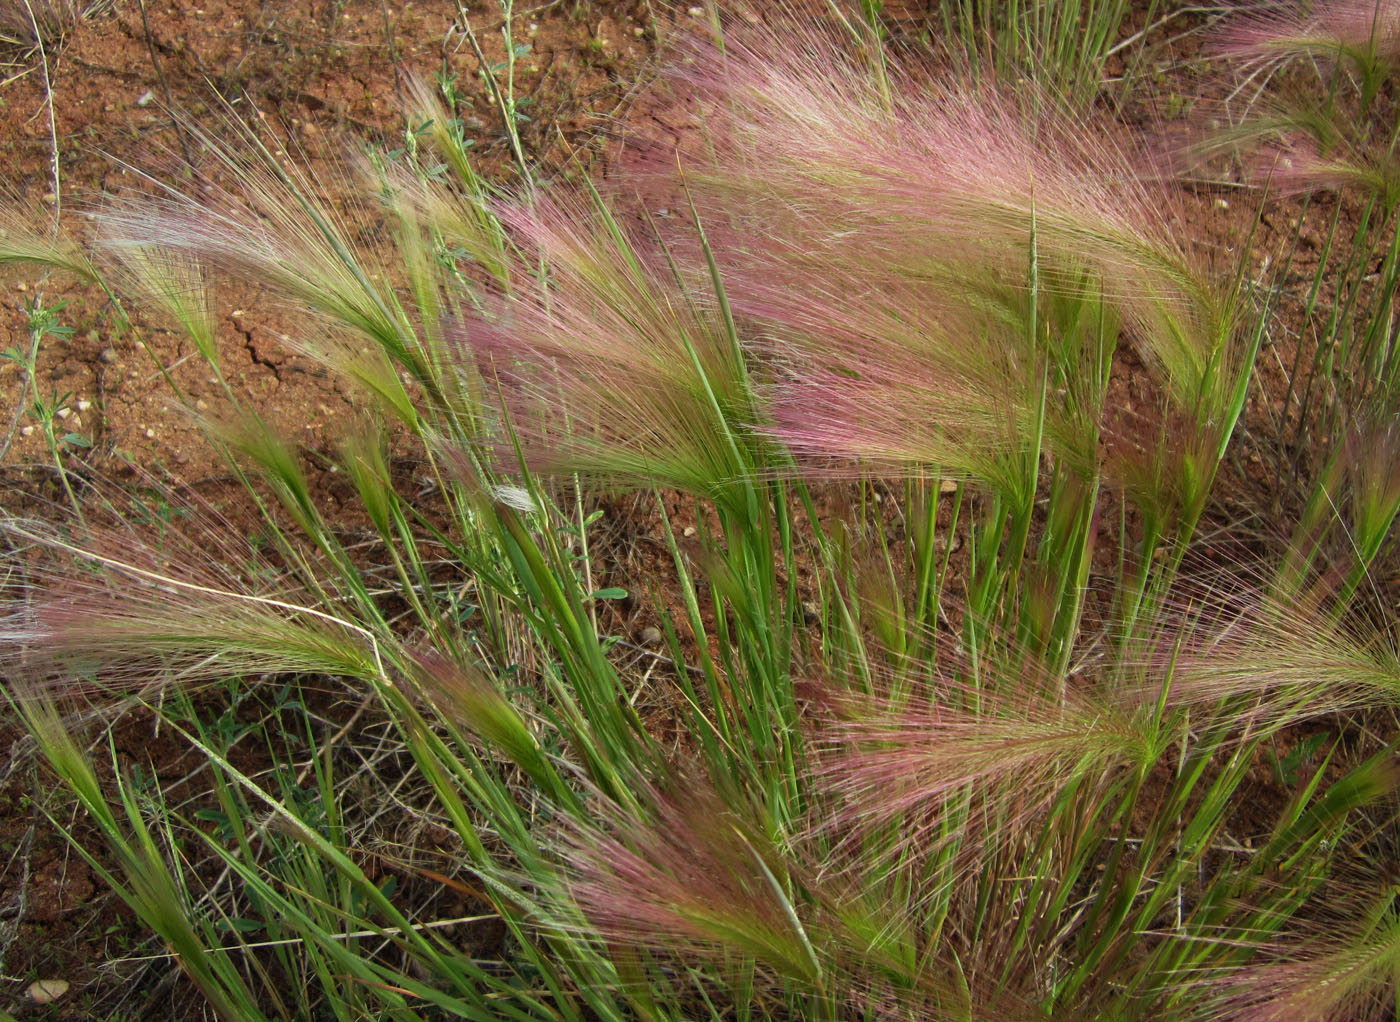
1221, 203
948, 486
50, 197
146, 98
109, 355
695, 12
688, 531
46, 991
63, 413
26, 431
201, 405
83, 404
651, 636
150, 434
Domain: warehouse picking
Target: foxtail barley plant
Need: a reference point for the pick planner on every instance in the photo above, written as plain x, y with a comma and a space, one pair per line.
953, 715
1320, 125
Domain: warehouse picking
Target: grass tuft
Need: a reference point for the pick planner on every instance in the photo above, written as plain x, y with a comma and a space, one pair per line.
961, 712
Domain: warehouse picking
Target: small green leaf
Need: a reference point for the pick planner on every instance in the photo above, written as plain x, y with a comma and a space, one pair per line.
610, 593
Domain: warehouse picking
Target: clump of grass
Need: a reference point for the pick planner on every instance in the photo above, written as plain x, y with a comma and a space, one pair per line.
41, 24
1363, 35
1063, 48
1021, 248
966, 790
602, 371
1345, 975
1322, 122
1319, 120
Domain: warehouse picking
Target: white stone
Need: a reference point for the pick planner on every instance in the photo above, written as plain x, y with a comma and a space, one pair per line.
46, 991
